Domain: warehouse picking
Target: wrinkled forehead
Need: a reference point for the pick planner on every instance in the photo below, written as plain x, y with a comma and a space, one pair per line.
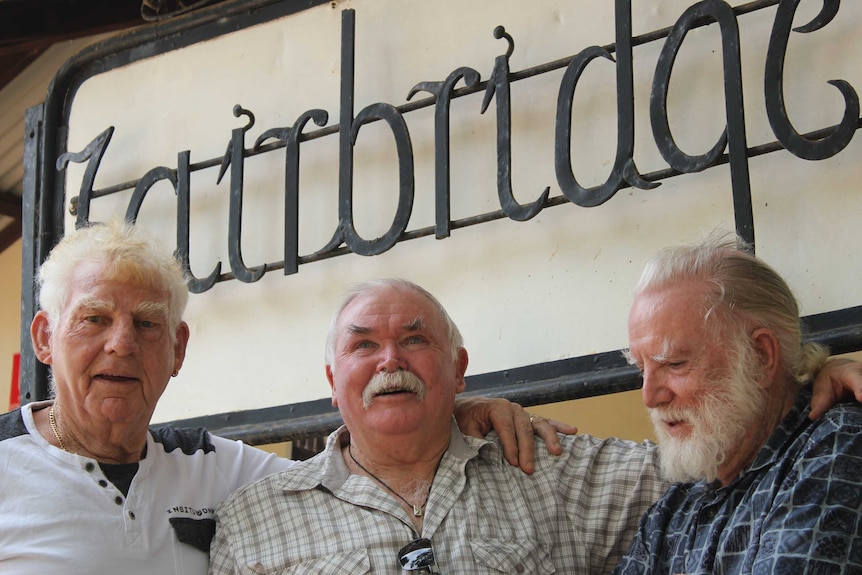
392, 306
686, 300
668, 320
108, 279
125, 270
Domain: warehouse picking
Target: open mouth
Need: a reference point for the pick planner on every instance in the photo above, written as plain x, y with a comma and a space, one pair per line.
393, 392
677, 427
115, 378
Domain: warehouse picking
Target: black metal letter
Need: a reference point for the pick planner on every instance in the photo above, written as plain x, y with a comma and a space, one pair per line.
499, 85
348, 130
442, 92
734, 133
144, 185
184, 224
796, 144
624, 168
235, 158
290, 136
93, 152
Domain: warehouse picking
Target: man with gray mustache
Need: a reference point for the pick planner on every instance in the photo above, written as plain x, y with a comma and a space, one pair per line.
400, 488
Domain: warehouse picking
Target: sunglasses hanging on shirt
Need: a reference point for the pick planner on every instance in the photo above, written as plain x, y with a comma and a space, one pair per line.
418, 557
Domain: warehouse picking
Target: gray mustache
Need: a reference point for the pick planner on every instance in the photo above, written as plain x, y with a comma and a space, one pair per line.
385, 382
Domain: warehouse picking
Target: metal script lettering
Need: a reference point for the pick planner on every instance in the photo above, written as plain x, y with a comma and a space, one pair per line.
730, 146
797, 144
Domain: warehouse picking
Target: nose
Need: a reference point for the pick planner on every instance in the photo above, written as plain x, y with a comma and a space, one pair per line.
655, 391
391, 359
122, 338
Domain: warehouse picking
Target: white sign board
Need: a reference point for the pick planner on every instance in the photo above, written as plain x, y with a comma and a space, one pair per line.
555, 286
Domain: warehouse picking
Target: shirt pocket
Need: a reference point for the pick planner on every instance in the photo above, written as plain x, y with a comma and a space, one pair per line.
353, 562
507, 556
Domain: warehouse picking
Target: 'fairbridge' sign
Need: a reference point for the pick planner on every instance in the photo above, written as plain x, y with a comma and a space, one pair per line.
496, 88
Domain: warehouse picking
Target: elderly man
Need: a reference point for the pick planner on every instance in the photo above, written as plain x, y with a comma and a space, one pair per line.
399, 486
716, 333
87, 487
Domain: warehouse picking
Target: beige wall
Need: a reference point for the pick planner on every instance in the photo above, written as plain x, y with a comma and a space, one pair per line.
507, 283
619, 415
616, 415
568, 262
10, 317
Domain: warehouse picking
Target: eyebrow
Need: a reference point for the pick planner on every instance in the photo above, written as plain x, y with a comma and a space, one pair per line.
151, 308
90, 302
357, 329
667, 349
148, 308
417, 324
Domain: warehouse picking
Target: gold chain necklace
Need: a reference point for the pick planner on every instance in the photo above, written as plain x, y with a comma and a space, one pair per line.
417, 509
56, 431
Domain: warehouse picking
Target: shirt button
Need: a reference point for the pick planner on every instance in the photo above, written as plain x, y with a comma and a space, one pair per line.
519, 568
90, 466
118, 500
132, 514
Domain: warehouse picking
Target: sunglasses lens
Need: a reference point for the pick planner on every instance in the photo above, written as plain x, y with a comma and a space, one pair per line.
416, 555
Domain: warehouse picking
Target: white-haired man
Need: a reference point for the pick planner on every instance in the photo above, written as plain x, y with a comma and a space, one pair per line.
763, 488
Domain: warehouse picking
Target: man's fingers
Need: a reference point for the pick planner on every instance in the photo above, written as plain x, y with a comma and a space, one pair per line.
561, 427
547, 429
516, 428
840, 379
820, 403
526, 439
507, 430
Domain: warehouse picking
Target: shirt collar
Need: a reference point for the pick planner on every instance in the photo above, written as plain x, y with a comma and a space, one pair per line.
333, 472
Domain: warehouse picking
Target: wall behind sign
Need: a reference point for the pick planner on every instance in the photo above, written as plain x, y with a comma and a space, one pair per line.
10, 318
557, 286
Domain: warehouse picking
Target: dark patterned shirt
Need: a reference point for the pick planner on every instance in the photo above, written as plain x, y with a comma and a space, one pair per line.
797, 509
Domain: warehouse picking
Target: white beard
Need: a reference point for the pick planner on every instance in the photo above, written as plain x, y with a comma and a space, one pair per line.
729, 408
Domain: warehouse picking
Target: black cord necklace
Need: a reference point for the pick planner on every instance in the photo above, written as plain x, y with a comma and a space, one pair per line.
417, 509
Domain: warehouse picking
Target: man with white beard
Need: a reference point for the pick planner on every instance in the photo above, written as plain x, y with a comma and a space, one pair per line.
763, 488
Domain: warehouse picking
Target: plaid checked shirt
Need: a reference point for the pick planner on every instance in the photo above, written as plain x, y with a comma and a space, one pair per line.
575, 515
797, 509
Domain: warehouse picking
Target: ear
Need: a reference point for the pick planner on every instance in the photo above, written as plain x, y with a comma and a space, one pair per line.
460, 369
769, 351
182, 341
40, 337
331, 381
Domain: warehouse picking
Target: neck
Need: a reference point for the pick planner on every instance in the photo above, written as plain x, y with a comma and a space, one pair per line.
409, 483
778, 404
106, 442
394, 468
